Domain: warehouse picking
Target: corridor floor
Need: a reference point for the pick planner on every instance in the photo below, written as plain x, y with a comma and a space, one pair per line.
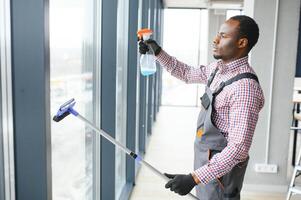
170, 150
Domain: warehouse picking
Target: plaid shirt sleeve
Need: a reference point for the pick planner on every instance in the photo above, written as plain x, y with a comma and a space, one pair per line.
245, 103
183, 71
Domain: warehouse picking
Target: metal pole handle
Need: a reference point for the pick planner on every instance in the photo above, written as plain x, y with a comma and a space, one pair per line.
67, 108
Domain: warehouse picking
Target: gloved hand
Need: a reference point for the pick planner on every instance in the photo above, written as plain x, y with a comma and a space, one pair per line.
144, 46
180, 183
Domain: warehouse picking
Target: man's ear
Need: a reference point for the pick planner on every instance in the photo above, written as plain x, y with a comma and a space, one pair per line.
242, 43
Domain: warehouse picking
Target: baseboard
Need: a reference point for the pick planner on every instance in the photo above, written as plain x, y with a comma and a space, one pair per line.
265, 188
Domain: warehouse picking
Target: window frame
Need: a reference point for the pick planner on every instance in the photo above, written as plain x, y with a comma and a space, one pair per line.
7, 175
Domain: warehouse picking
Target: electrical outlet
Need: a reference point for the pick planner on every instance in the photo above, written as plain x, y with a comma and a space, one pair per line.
266, 168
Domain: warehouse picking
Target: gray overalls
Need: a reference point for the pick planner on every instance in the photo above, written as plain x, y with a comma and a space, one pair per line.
209, 141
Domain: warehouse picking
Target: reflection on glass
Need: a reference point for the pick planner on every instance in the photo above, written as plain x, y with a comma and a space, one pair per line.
71, 54
121, 91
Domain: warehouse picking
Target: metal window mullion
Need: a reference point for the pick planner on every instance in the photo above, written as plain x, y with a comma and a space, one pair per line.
137, 143
108, 97
158, 67
150, 78
143, 90
150, 104
132, 87
31, 98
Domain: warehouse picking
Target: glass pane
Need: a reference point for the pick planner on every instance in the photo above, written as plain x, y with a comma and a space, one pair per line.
121, 91
185, 49
73, 63
2, 182
203, 48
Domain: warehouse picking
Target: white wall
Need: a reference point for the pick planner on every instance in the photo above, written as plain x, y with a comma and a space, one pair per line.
264, 13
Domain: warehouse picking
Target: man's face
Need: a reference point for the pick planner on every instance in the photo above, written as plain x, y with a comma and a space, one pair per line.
225, 44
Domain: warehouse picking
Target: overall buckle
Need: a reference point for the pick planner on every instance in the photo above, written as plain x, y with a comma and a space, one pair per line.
205, 101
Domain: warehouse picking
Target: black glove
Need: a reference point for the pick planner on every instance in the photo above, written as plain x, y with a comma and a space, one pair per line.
180, 183
144, 46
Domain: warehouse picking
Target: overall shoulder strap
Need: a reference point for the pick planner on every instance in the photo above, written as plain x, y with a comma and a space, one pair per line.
235, 78
211, 77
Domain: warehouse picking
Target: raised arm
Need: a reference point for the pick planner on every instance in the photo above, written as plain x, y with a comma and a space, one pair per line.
177, 68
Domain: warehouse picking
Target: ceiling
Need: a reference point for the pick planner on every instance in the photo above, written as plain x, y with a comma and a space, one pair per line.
210, 4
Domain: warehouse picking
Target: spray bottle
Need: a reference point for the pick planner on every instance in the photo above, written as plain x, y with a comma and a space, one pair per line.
147, 61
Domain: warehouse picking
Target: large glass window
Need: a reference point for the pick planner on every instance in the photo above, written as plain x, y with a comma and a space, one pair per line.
121, 91
74, 62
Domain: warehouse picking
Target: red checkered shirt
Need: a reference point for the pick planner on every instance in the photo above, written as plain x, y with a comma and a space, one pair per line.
236, 109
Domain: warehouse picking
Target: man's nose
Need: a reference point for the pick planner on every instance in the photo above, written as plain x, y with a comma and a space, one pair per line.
216, 40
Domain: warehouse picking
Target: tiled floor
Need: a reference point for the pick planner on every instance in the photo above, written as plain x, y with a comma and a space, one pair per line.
170, 150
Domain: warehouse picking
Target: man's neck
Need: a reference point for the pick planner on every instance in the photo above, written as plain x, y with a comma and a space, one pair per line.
226, 61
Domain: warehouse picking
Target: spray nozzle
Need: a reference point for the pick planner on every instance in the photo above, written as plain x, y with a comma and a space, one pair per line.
144, 34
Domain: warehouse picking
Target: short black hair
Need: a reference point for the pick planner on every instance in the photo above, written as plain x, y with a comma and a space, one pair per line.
248, 28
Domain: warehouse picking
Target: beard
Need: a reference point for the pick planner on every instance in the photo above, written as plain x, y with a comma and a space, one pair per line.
217, 56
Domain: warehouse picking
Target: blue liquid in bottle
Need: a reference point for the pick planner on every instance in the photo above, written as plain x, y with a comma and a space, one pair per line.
147, 73
147, 64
